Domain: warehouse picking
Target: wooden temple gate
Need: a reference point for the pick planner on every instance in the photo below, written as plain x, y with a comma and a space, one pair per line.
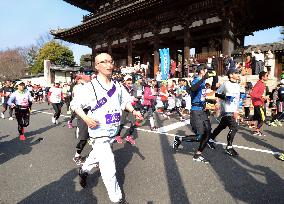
129, 28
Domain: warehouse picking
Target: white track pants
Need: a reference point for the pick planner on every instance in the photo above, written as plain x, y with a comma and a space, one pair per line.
102, 153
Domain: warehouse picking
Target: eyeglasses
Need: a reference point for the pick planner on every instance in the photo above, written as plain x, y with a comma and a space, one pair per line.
106, 62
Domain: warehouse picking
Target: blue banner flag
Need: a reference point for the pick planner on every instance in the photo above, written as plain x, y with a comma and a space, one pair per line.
165, 62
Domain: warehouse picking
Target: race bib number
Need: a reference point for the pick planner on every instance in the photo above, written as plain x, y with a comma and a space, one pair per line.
203, 95
112, 118
24, 103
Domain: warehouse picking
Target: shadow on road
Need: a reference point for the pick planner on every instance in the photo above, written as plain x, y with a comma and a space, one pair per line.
274, 134
258, 140
258, 184
13, 148
123, 157
177, 192
62, 191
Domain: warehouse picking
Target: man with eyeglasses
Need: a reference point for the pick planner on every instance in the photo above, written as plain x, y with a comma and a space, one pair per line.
258, 98
105, 99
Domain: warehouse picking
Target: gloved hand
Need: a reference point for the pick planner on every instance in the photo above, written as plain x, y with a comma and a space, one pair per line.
230, 98
209, 74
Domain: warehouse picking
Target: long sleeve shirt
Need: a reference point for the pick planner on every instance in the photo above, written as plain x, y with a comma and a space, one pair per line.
20, 98
257, 93
105, 105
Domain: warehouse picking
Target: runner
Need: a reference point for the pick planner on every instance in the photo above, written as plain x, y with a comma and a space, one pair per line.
21, 100
199, 120
229, 92
82, 128
105, 100
149, 102
55, 97
6, 91
126, 116
258, 98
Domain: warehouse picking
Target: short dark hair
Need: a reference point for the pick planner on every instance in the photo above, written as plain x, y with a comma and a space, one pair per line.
261, 74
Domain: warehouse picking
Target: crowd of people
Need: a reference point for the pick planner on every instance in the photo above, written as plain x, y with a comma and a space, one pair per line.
104, 103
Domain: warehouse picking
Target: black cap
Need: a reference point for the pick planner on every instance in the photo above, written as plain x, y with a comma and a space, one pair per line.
201, 67
233, 71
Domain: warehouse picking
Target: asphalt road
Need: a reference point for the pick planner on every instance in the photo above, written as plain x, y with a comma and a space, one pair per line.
40, 169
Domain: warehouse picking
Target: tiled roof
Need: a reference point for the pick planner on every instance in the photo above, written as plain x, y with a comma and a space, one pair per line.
274, 47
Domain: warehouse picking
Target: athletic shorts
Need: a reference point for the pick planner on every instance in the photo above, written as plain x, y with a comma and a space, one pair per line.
259, 114
200, 122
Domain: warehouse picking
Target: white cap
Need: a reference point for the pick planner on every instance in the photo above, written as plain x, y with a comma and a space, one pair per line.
20, 82
127, 77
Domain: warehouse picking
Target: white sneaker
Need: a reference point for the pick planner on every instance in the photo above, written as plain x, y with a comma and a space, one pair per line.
11, 118
56, 121
278, 123
2, 115
53, 120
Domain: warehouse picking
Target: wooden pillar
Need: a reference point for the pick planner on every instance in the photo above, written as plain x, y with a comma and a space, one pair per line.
227, 43
156, 55
186, 51
94, 53
109, 49
129, 53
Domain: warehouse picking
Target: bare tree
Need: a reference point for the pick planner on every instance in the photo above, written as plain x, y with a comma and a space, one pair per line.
12, 64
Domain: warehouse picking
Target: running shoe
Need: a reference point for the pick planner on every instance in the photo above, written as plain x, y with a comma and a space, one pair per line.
137, 124
278, 123
2, 115
281, 157
22, 137
273, 124
154, 128
200, 158
260, 134
255, 133
231, 152
122, 201
130, 139
97, 165
56, 121
211, 145
11, 118
69, 125
176, 143
78, 160
118, 139
53, 120
83, 178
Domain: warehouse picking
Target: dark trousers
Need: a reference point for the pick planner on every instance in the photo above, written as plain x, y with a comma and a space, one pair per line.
23, 119
226, 121
83, 134
5, 107
67, 102
201, 126
247, 112
57, 108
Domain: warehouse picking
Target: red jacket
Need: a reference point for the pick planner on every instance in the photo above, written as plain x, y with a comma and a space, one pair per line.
257, 93
148, 96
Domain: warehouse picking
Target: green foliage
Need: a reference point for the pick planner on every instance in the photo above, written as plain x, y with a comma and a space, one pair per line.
56, 53
85, 60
